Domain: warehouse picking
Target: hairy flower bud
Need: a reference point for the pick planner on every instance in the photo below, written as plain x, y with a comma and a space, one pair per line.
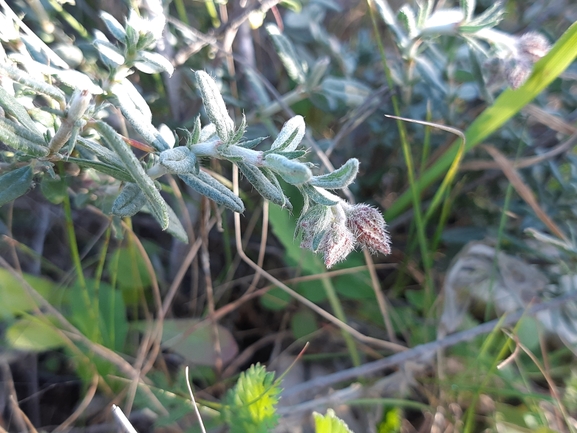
517, 72
337, 243
311, 224
533, 46
369, 227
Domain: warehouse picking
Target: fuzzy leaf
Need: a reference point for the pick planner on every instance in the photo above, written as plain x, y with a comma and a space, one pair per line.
208, 186
113, 26
214, 106
316, 196
135, 96
263, 185
318, 72
15, 183
329, 423
290, 135
251, 144
193, 136
407, 17
155, 201
425, 9
287, 54
153, 63
490, 18
13, 107
34, 83
468, 8
175, 227
138, 118
251, 404
291, 171
130, 200
20, 143
340, 178
109, 54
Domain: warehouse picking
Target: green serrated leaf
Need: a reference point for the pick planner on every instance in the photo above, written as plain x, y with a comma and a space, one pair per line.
329, 423
340, 178
156, 203
251, 405
15, 183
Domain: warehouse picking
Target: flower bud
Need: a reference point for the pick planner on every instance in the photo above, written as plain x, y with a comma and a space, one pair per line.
78, 104
533, 46
313, 222
369, 227
517, 72
337, 243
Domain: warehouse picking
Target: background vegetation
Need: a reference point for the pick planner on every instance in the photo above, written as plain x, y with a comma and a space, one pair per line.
122, 262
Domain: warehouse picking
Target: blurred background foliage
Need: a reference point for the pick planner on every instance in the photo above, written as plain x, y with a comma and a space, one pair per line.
489, 229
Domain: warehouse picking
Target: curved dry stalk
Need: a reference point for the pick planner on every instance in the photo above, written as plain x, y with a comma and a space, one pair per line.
71, 332
523, 190
347, 328
381, 299
262, 247
522, 162
196, 411
548, 378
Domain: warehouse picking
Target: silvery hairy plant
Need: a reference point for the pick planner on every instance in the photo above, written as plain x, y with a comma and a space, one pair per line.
69, 128
417, 31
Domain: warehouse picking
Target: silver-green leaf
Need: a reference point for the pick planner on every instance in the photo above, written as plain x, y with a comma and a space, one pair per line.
15, 183
340, 178
155, 201
215, 107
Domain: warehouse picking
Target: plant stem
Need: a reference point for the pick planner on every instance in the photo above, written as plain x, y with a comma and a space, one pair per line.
340, 314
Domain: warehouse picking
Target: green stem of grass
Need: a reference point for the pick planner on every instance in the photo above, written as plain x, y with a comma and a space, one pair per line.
340, 314
415, 193
181, 11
